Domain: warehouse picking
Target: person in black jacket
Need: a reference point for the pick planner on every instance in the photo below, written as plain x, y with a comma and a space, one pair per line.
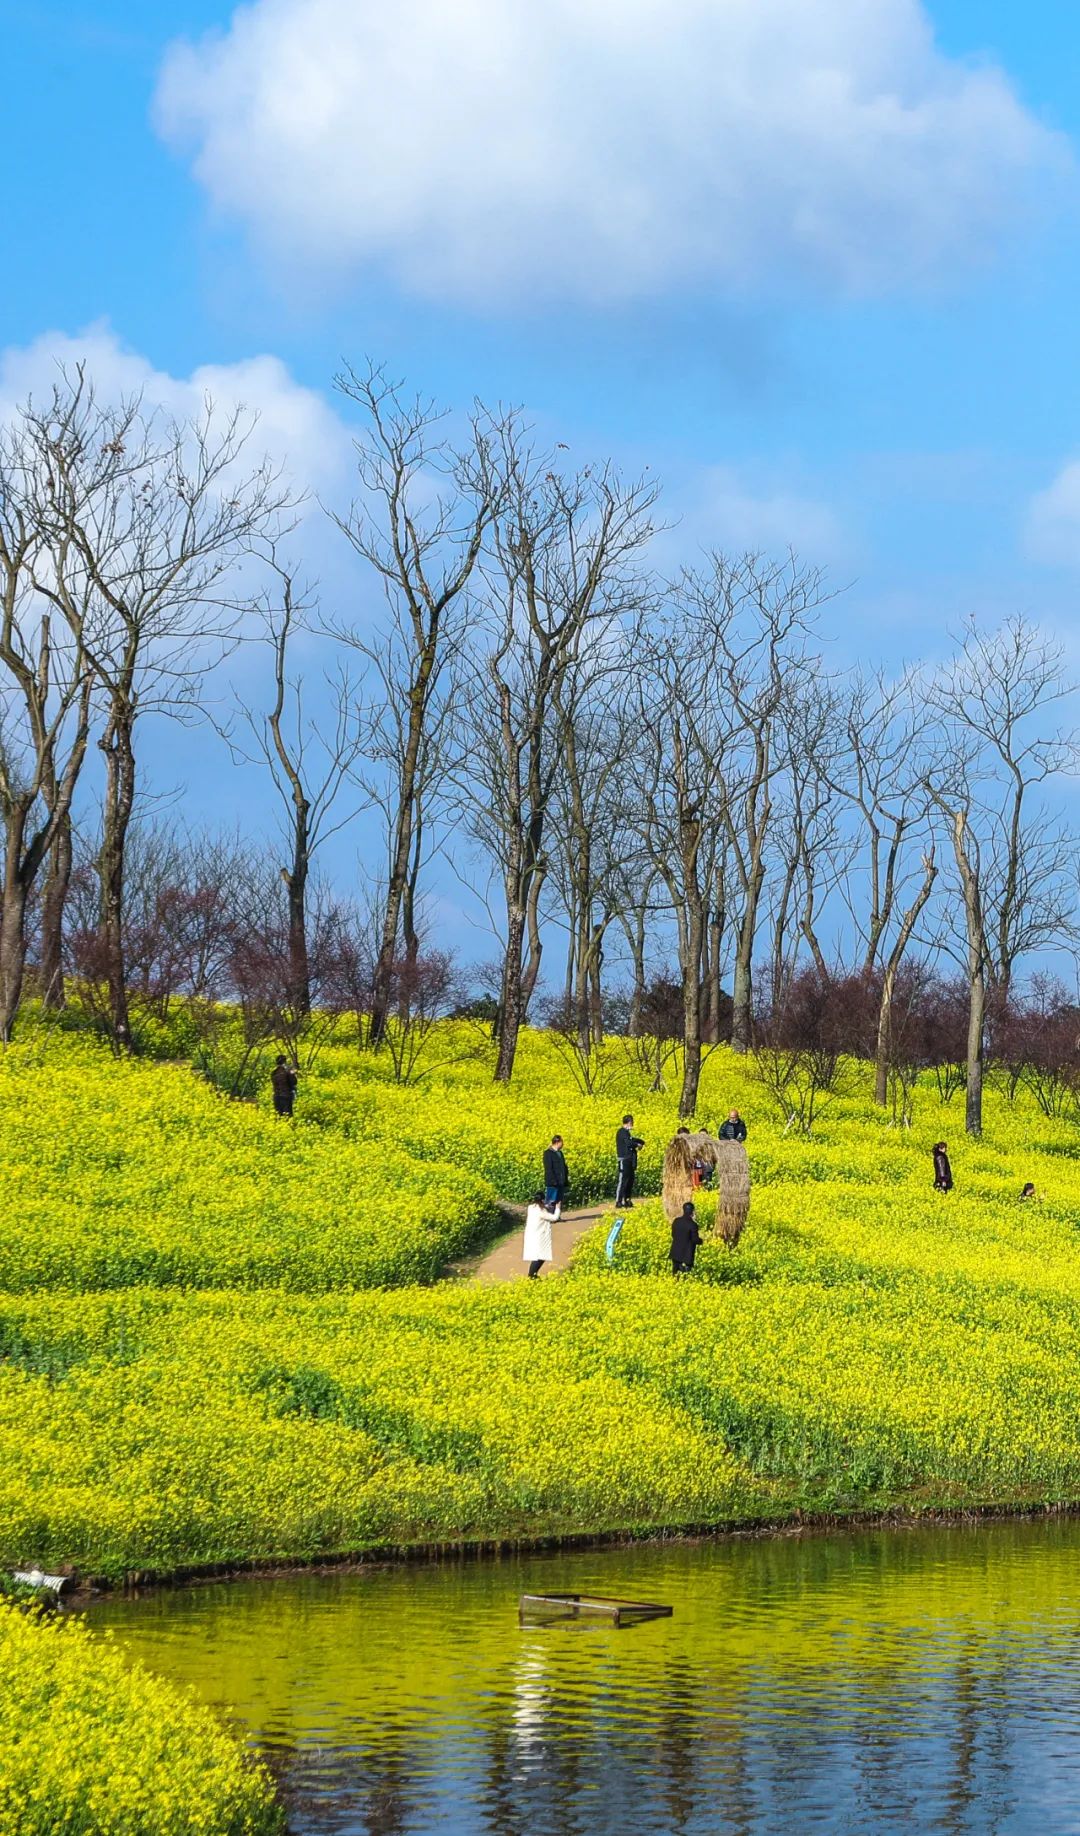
626, 1153
283, 1079
556, 1177
942, 1169
734, 1129
685, 1237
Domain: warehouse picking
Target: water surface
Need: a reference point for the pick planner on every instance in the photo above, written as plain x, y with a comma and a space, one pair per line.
915, 1680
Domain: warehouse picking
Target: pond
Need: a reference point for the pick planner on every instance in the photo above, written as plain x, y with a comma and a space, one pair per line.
922, 1679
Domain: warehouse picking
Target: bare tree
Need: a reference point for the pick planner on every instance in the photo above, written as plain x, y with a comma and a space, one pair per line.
681, 765
310, 755
1037, 1039
655, 1043
420, 523
592, 1061
590, 825
149, 516
563, 579
801, 1044
1011, 856
45, 693
812, 854
186, 898
750, 618
636, 878
881, 772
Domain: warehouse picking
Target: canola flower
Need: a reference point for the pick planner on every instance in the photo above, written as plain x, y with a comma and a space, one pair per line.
92, 1745
214, 1348
133, 1173
869, 1343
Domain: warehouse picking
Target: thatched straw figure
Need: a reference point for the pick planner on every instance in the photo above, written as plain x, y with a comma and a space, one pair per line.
732, 1180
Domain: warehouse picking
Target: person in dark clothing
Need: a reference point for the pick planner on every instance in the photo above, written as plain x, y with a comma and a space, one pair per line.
283, 1079
734, 1129
942, 1169
685, 1237
556, 1177
626, 1153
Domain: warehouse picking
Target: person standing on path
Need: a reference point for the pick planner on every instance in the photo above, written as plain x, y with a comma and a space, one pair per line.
556, 1177
685, 1237
283, 1079
734, 1129
626, 1153
942, 1169
536, 1244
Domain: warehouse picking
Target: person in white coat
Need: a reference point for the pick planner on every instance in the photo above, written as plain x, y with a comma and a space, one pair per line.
536, 1245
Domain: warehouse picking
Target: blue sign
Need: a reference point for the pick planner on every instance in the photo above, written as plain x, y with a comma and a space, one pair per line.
612, 1238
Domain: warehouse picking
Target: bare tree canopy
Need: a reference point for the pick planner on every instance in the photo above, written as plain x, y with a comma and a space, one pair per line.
996, 746
563, 583
678, 819
142, 522
419, 522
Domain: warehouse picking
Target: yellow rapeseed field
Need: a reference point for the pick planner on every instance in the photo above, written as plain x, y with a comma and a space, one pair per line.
214, 1347
92, 1745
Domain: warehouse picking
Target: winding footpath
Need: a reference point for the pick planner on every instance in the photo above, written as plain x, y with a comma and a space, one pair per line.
504, 1261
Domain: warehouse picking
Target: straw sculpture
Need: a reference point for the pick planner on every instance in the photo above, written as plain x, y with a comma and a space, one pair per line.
732, 1180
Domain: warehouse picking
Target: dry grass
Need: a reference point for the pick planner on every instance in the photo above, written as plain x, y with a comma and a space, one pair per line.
732, 1179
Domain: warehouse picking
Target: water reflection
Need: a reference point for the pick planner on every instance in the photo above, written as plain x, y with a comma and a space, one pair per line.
912, 1680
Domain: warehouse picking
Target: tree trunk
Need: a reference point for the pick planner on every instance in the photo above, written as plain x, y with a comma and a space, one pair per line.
888, 984
581, 989
530, 974
691, 1011
117, 745
384, 962
975, 1046
596, 991
714, 963
573, 993
881, 1055
54, 901
510, 999
409, 922
299, 990
976, 950
742, 993
402, 856
12, 948
742, 1018
633, 928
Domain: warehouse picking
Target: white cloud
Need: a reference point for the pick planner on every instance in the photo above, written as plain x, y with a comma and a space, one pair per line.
1052, 528
295, 427
606, 148
738, 516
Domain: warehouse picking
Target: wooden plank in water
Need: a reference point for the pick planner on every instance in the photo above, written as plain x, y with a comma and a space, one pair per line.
535, 1606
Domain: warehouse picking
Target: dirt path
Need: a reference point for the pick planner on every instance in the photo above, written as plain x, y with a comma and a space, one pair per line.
504, 1261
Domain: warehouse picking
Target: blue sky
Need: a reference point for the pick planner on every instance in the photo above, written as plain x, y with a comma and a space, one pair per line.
810, 335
